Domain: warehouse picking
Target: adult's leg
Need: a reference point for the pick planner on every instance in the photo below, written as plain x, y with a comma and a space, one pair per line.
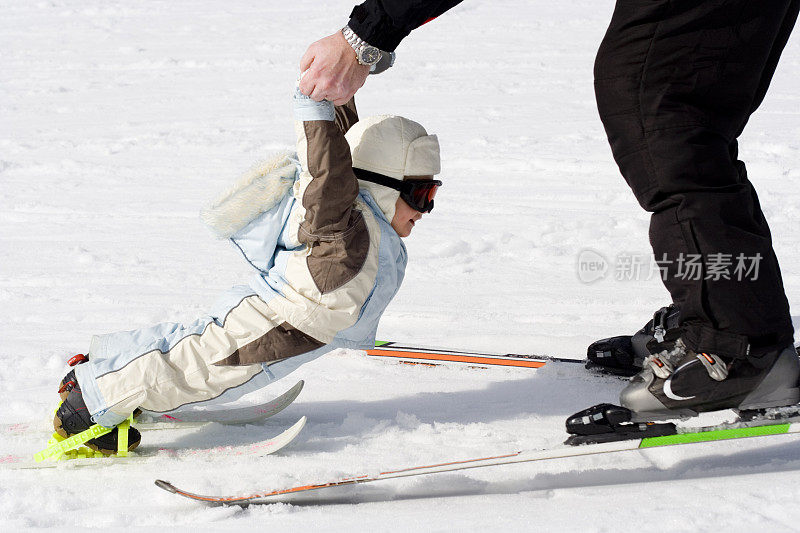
676, 82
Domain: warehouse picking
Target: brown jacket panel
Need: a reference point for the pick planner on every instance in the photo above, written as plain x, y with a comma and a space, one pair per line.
329, 197
282, 341
336, 234
346, 115
335, 261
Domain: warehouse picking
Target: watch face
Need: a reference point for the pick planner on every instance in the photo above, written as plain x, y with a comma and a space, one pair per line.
370, 55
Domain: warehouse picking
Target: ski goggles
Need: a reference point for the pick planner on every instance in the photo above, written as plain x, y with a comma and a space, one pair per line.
416, 193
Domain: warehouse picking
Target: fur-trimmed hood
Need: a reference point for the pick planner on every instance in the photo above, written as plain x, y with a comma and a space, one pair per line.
262, 187
257, 191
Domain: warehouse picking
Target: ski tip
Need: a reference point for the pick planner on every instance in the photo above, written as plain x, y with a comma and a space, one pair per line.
166, 485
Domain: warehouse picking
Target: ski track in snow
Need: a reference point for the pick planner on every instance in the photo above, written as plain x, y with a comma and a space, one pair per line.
118, 120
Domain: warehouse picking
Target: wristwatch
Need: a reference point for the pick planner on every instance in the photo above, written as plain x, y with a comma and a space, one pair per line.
365, 52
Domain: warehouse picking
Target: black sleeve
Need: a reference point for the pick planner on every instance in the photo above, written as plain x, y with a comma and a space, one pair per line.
384, 23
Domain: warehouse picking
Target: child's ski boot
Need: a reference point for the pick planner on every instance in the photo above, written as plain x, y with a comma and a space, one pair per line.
72, 417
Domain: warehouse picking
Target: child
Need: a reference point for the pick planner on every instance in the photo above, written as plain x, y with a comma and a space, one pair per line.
321, 229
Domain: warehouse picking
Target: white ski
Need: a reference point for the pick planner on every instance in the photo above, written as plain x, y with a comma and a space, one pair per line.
237, 415
294, 494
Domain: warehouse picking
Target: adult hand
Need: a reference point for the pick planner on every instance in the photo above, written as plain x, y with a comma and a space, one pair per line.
332, 71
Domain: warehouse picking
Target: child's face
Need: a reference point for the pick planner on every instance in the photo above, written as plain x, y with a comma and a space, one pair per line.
406, 216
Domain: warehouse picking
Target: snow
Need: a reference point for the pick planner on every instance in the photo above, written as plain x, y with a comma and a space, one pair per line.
118, 120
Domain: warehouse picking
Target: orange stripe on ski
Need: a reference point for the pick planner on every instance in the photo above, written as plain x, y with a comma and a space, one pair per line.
450, 463
234, 499
496, 361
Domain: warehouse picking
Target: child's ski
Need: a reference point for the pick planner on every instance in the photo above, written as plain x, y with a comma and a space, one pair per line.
237, 415
433, 356
759, 428
257, 449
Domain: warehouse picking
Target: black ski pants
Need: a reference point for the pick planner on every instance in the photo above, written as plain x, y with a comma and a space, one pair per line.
676, 81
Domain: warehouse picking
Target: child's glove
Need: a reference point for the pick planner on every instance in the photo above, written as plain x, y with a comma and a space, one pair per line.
307, 109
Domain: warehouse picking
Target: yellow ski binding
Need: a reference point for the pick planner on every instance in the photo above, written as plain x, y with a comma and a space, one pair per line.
64, 448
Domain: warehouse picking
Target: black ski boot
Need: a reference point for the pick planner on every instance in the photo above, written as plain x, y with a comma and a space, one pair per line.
72, 417
624, 355
677, 382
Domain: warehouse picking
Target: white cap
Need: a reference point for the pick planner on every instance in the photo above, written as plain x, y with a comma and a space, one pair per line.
393, 146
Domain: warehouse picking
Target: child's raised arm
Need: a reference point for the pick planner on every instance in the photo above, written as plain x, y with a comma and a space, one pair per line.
335, 232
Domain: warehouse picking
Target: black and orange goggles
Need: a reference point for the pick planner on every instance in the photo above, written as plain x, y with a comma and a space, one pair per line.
416, 193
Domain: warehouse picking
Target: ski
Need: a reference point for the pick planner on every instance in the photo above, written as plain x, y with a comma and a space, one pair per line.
233, 416
748, 429
148, 421
434, 356
256, 449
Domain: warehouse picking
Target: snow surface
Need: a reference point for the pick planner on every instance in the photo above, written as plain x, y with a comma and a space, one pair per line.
118, 120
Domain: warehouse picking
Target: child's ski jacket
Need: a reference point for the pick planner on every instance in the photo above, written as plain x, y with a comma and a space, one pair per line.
327, 260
